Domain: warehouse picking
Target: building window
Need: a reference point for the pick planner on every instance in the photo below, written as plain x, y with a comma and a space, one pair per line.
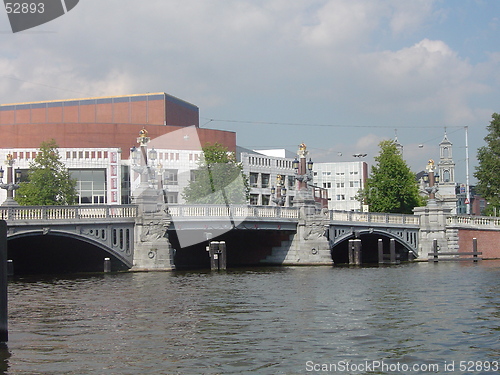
265, 180
125, 184
291, 181
254, 177
192, 175
254, 199
90, 185
265, 200
172, 198
446, 175
170, 177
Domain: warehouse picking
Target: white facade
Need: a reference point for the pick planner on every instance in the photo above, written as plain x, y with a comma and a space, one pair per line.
98, 171
175, 168
343, 180
262, 172
104, 178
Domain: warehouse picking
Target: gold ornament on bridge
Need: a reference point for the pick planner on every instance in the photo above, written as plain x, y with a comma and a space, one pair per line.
302, 150
143, 137
430, 165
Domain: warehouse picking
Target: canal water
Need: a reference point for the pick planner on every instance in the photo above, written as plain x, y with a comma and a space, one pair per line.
418, 318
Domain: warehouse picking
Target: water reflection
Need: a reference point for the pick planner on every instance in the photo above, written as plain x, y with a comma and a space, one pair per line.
266, 321
4, 358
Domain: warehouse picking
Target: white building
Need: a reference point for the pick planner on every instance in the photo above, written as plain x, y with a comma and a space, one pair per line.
175, 172
101, 176
343, 180
104, 178
263, 171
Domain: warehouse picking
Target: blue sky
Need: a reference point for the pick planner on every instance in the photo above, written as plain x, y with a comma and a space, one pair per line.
339, 75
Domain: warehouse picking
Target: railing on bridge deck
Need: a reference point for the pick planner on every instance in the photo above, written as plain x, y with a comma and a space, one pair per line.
233, 211
23, 213
474, 221
374, 217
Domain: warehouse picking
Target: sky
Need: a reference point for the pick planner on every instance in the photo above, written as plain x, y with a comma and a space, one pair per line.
338, 75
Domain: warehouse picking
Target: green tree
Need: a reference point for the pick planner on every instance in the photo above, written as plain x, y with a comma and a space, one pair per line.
49, 182
218, 180
391, 187
488, 170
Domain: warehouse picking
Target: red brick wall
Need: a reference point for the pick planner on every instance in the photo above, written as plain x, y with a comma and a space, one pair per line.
139, 110
54, 114
75, 135
488, 242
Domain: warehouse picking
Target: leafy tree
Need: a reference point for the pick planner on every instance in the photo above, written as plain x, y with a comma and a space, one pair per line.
391, 187
49, 182
488, 170
218, 180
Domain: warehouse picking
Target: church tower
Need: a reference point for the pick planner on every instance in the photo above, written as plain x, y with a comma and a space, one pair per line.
446, 170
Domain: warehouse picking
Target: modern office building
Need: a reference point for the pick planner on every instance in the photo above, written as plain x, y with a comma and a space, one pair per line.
263, 171
342, 180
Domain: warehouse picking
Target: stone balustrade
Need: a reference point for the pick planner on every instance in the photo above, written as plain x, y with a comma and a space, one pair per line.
373, 217
474, 221
241, 211
27, 213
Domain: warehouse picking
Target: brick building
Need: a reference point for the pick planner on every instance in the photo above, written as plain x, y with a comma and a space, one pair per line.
95, 136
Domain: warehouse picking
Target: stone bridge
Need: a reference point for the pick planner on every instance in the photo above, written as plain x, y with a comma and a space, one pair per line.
136, 237
110, 228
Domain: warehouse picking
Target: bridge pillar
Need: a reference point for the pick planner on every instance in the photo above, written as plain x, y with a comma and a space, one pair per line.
432, 227
309, 245
152, 250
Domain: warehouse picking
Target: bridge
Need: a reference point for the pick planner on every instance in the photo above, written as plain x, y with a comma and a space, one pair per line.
109, 228
136, 239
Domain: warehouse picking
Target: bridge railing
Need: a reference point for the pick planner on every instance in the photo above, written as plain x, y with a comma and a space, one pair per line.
474, 221
242, 211
26, 213
374, 217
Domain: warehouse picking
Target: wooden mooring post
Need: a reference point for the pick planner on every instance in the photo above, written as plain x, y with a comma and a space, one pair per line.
4, 333
218, 258
390, 258
107, 265
355, 252
455, 256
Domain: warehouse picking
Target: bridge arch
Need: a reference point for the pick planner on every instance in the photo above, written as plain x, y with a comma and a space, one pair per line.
58, 251
369, 242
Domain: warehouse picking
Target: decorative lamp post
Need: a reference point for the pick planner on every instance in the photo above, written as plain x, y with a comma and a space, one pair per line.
144, 162
279, 190
430, 180
303, 169
12, 181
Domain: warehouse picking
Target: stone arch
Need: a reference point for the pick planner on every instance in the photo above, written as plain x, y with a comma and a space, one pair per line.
369, 239
81, 249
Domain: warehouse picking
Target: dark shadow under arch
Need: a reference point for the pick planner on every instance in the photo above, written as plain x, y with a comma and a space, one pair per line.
369, 242
57, 253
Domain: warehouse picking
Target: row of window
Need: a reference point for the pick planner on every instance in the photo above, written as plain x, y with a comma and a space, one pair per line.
86, 154
329, 173
353, 184
266, 162
265, 180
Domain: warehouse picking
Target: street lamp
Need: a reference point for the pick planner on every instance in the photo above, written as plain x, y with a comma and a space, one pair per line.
144, 162
279, 190
303, 169
430, 180
12, 181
